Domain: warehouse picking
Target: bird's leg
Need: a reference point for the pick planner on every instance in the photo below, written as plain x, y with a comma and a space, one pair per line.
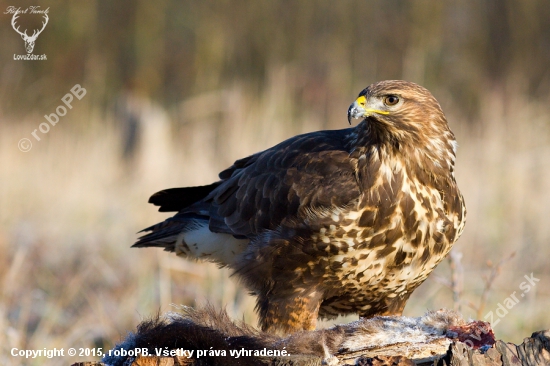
397, 304
289, 314
393, 306
395, 309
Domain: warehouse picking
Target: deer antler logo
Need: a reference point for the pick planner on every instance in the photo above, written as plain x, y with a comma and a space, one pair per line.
29, 40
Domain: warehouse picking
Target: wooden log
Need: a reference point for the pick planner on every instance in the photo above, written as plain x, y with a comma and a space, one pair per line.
534, 351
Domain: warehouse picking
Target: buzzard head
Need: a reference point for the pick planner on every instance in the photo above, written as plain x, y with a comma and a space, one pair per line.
398, 104
405, 116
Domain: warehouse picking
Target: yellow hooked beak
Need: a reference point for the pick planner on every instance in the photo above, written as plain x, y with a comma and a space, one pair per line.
359, 109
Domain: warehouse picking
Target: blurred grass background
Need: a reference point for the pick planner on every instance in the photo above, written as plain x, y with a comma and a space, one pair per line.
177, 90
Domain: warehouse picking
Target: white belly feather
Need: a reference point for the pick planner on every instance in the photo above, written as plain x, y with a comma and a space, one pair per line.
203, 244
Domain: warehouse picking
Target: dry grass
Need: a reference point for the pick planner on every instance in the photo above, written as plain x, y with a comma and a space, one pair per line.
71, 206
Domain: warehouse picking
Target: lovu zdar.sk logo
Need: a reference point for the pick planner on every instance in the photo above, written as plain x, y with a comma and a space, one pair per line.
29, 39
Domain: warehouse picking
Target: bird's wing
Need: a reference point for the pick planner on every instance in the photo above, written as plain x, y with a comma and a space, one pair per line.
298, 178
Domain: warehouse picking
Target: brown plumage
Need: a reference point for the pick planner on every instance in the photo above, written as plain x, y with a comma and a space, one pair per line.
330, 222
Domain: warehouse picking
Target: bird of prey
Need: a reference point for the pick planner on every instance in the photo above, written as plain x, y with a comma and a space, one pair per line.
330, 222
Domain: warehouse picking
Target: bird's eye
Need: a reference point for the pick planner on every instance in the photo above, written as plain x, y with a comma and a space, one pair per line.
391, 100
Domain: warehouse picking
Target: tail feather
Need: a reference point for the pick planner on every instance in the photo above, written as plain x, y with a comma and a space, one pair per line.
194, 232
165, 234
188, 235
176, 199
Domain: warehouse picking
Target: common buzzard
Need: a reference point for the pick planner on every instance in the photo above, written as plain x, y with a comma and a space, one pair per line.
330, 222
